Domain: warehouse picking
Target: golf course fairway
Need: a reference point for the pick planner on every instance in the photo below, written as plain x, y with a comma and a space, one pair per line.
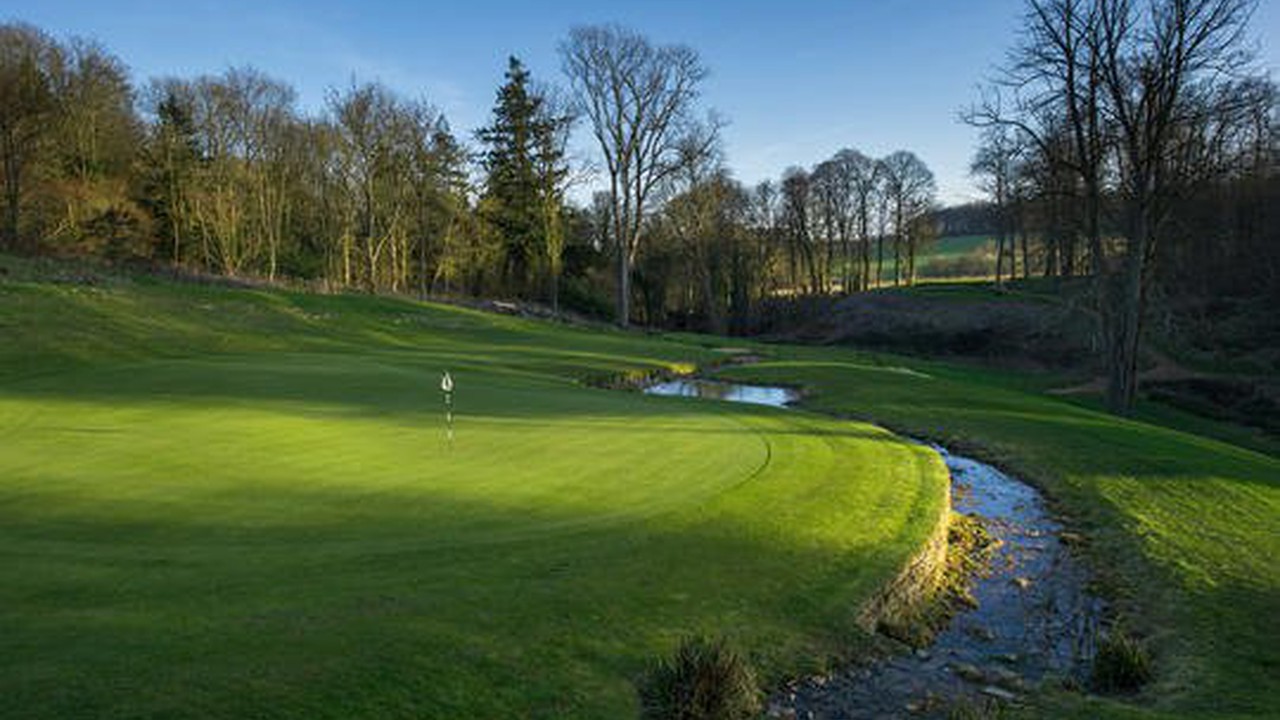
243, 503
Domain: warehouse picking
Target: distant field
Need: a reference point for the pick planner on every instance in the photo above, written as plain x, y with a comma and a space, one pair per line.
233, 503
951, 258
953, 245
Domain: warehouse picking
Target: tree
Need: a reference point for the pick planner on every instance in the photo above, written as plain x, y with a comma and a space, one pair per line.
764, 219
1162, 72
995, 165
1136, 88
28, 106
551, 166
864, 181
910, 187
639, 100
833, 206
170, 159
91, 147
512, 201
526, 175
244, 122
703, 217
797, 199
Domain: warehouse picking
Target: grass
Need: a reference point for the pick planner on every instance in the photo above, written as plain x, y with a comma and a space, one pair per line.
237, 503
953, 245
1184, 527
953, 257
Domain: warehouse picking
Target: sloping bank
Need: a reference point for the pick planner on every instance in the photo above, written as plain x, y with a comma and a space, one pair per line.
902, 603
1182, 526
980, 632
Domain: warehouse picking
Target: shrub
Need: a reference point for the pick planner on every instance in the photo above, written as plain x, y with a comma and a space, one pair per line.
971, 709
705, 680
1121, 663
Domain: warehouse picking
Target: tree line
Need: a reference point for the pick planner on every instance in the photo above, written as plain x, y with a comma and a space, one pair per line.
1129, 142
223, 173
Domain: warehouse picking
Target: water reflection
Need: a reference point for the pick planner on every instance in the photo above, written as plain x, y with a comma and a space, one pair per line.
732, 392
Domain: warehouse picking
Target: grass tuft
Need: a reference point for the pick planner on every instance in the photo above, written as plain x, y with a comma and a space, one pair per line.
705, 680
1121, 664
972, 709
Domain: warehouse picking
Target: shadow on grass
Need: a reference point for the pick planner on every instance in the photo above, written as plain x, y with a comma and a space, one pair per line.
380, 612
1182, 526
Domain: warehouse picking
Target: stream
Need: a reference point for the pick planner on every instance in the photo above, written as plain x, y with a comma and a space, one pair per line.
1034, 622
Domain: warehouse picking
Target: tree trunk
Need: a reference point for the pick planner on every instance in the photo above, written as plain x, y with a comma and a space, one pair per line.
12, 191
1126, 317
999, 257
1026, 253
624, 284
879, 259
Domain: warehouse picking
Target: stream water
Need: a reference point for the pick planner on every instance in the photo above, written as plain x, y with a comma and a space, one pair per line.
1034, 620
720, 390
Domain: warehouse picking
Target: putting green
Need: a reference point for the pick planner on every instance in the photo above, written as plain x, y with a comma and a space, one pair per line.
219, 503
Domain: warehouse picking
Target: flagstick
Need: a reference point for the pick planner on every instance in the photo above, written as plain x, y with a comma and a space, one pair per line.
446, 385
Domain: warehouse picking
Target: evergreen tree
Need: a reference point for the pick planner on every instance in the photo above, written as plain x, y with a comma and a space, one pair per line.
512, 201
168, 164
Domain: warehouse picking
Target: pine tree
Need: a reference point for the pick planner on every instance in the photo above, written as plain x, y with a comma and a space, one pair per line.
512, 200
168, 164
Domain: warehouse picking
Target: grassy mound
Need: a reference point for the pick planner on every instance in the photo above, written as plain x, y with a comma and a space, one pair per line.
241, 503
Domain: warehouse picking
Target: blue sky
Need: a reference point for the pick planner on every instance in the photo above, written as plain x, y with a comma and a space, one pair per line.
796, 79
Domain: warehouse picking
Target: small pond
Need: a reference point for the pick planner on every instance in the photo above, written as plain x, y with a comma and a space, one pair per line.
720, 390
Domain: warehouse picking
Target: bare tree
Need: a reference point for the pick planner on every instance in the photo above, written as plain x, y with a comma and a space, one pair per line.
554, 123
833, 205
910, 186
995, 165
639, 100
91, 151
1136, 88
27, 106
797, 200
764, 218
1161, 72
864, 182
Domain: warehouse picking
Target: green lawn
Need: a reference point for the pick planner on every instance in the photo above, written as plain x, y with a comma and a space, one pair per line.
1185, 528
225, 503
234, 503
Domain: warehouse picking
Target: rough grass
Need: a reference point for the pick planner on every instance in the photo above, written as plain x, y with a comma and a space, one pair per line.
236, 503
706, 679
1185, 528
